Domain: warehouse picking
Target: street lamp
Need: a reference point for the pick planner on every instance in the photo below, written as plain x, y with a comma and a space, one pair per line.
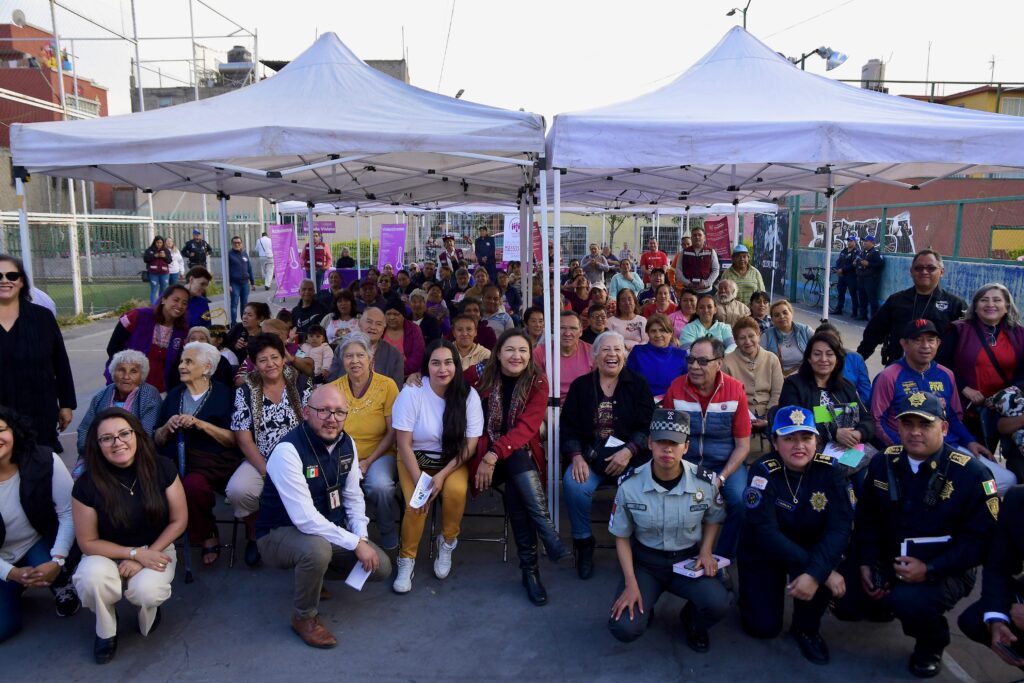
832, 58
734, 10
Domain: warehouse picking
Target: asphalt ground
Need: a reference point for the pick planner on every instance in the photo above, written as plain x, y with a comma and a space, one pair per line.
232, 624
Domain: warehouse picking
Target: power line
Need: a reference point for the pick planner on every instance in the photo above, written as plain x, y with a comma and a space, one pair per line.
804, 21
447, 40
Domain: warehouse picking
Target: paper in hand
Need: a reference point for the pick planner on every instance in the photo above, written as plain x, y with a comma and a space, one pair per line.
422, 491
357, 577
614, 443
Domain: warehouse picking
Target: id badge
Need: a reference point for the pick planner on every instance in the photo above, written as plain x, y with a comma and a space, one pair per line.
334, 498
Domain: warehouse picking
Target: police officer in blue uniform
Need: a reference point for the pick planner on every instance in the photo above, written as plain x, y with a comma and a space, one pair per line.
798, 524
869, 266
667, 511
924, 522
846, 270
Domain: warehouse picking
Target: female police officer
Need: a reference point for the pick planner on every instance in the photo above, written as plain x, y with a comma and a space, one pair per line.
665, 512
798, 523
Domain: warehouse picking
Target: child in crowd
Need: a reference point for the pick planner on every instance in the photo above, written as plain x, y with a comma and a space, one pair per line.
218, 335
316, 347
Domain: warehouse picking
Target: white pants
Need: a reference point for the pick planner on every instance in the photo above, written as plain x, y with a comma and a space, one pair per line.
244, 490
100, 588
267, 265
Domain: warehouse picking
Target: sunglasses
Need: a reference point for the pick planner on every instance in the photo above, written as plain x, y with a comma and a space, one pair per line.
703, 362
925, 269
11, 276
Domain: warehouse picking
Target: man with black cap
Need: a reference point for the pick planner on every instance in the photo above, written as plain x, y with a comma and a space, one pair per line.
666, 512
869, 265
196, 250
797, 527
924, 523
926, 299
846, 270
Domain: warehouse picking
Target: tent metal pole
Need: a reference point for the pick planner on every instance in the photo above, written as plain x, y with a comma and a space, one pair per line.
546, 341
87, 238
526, 264
311, 246
829, 212
23, 235
736, 220
775, 265
359, 247
76, 263
636, 238
225, 282
554, 356
524, 213
604, 226
371, 240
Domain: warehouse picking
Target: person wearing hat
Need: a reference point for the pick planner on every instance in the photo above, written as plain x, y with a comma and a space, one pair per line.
846, 271
869, 265
925, 521
196, 250
449, 256
666, 512
797, 527
405, 336
747, 278
369, 296
918, 371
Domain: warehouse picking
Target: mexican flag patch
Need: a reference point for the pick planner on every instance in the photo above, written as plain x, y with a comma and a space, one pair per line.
989, 487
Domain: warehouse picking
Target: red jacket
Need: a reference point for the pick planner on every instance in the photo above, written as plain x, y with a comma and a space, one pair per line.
525, 433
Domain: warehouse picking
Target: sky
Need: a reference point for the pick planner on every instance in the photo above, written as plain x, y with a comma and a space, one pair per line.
548, 56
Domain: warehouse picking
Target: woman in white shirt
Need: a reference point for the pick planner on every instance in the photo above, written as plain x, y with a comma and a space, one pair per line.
176, 266
436, 426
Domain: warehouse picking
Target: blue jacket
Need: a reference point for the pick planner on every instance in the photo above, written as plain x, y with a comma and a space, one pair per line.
770, 339
856, 371
240, 267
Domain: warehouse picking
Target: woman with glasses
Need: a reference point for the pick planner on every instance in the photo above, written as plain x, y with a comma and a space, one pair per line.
437, 425
32, 354
267, 406
128, 507
660, 360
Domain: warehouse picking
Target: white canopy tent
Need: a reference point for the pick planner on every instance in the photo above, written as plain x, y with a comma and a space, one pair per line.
743, 123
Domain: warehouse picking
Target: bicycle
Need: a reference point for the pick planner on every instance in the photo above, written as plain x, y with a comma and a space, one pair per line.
813, 288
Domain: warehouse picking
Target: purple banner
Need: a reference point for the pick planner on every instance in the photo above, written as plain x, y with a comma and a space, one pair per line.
287, 269
322, 227
392, 246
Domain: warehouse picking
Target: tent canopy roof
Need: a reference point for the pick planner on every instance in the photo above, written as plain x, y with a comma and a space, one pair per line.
744, 122
327, 127
696, 210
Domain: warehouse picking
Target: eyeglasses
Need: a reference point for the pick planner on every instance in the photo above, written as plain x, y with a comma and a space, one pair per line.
124, 436
324, 413
11, 276
925, 269
703, 362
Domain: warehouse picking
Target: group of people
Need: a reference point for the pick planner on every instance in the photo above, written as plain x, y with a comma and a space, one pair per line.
733, 435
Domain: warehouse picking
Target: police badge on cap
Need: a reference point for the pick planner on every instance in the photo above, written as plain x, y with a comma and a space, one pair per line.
670, 425
923, 404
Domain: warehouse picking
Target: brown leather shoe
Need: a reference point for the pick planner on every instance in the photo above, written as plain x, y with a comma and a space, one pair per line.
313, 633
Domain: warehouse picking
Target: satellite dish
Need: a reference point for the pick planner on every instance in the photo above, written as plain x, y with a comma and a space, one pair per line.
18, 18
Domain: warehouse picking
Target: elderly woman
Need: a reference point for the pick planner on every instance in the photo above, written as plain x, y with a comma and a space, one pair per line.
158, 332
405, 336
759, 371
36, 529
342, 318
660, 360
747, 278
253, 315
513, 393
706, 324
986, 353
819, 385
428, 324
605, 420
267, 406
223, 373
370, 397
533, 321
626, 321
464, 333
195, 431
128, 508
786, 338
129, 370
485, 336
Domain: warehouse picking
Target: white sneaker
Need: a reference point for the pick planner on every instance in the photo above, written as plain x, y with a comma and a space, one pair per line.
403, 578
443, 561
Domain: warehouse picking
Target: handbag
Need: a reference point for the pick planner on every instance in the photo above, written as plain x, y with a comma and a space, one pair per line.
144, 275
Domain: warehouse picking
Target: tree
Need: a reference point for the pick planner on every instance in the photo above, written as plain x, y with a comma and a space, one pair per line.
615, 222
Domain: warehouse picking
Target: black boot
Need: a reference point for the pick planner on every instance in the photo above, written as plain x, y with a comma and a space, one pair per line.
526, 546
534, 588
531, 491
584, 551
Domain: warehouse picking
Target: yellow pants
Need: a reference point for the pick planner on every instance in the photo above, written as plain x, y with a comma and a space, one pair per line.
453, 505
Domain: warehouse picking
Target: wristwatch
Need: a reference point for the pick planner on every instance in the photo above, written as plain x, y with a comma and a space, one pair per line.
132, 553
59, 561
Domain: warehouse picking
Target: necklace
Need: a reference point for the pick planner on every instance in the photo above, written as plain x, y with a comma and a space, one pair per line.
928, 301
130, 489
991, 334
793, 493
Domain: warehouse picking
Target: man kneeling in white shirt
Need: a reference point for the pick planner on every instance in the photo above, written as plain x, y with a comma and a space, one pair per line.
312, 513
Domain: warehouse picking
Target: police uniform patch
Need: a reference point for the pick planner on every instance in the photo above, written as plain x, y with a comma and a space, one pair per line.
719, 499
942, 305
699, 508
640, 507
947, 491
752, 497
626, 475
852, 495
993, 507
989, 487
960, 458
772, 465
818, 501
759, 483
916, 399
894, 450
698, 495
706, 474
881, 484
611, 517
824, 459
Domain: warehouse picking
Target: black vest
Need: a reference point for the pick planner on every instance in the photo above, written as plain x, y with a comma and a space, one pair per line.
320, 469
36, 494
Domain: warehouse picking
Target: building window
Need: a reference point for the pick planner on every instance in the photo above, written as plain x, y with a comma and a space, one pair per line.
1014, 106
164, 102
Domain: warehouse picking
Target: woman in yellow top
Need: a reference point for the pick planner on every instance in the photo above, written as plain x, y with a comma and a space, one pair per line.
370, 396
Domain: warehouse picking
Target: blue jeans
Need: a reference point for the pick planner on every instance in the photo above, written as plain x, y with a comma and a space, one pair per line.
732, 491
382, 498
172, 278
157, 284
239, 298
10, 591
578, 499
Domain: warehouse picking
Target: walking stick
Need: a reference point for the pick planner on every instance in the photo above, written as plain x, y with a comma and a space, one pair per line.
181, 473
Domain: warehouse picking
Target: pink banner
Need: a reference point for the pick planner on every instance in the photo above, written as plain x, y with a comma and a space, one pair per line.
717, 232
392, 246
287, 268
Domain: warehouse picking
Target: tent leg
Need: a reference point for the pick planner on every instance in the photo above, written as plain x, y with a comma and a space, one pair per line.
87, 238
548, 308
359, 247
829, 213
224, 242
736, 221
23, 235
76, 263
312, 247
553, 326
775, 265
